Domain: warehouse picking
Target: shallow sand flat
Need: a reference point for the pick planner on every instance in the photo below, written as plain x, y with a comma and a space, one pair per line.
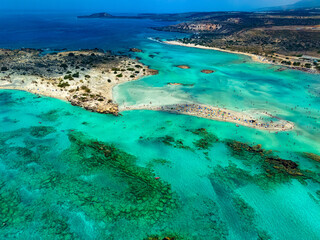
218, 114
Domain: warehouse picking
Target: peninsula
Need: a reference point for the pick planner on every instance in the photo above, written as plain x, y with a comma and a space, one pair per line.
283, 37
84, 78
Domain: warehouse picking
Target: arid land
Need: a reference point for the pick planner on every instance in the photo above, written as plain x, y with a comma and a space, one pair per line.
84, 78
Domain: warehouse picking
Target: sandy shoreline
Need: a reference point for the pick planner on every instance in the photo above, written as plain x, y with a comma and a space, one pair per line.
254, 57
35, 92
217, 114
83, 78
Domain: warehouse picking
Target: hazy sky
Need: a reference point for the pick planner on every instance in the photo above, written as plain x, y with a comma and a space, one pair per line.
141, 5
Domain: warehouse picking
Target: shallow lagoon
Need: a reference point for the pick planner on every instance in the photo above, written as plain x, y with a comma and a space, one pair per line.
71, 174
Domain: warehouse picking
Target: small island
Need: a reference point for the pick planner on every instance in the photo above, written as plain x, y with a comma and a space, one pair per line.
84, 78
135, 50
206, 71
183, 66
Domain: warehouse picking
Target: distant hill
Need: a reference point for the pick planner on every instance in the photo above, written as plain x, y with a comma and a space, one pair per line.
98, 15
298, 5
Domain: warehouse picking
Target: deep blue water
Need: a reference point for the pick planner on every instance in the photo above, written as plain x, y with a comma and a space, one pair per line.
56, 30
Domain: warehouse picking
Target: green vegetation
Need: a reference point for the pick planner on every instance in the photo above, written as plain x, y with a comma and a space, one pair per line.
63, 65
119, 75
86, 89
308, 65
286, 62
4, 69
69, 77
76, 75
63, 84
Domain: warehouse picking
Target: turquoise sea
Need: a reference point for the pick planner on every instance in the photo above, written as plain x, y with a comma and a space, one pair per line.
67, 173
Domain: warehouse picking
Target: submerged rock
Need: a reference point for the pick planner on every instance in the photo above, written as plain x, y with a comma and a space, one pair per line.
41, 131
312, 156
207, 139
168, 140
274, 167
141, 194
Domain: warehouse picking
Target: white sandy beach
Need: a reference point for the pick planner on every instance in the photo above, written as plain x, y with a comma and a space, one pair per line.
218, 114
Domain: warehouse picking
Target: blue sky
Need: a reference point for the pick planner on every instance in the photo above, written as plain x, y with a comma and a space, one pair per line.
141, 5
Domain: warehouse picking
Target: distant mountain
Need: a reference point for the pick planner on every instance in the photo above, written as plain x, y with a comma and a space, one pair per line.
298, 5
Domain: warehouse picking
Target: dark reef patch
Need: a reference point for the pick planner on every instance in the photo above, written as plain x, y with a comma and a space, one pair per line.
41, 131
143, 196
207, 139
312, 156
274, 170
167, 140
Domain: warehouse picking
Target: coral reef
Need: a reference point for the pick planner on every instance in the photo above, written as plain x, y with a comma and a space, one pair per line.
144, 196
274, 169
41, 131
207, 139
168, 140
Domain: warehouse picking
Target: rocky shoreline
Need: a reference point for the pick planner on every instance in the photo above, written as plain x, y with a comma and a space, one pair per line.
84, 78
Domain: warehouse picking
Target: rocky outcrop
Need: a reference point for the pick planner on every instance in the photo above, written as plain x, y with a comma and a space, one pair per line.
94, 104
135, 50
183, 66
207, 71
152, 72
192, 27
